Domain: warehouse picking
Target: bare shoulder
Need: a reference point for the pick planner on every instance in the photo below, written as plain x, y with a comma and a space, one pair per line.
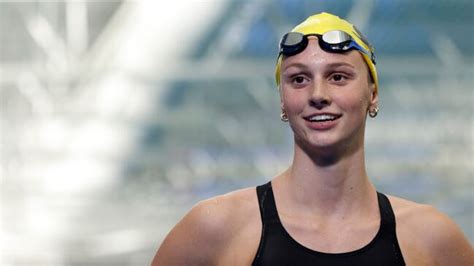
207, 229
424, 231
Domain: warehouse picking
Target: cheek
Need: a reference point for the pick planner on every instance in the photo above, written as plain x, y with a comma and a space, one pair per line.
293, 102
354, 103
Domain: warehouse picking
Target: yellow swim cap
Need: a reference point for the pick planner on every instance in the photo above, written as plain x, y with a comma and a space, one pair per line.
325, 22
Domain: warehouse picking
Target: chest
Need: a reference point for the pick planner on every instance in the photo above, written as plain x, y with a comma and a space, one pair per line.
329, 237
278, 247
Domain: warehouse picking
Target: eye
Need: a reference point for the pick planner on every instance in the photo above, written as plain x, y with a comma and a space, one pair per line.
299, 80
338, 77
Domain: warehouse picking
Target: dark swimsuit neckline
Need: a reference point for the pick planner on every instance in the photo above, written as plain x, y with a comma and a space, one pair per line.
320, 253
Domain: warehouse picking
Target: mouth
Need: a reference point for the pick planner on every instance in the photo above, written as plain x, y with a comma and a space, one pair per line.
317, 118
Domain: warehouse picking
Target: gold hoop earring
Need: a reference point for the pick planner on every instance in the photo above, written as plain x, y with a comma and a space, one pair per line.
373, 111
283, 116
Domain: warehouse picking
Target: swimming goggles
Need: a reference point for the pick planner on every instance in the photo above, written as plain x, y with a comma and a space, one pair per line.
335, 41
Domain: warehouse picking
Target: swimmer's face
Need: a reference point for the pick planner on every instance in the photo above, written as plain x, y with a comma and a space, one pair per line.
333, 88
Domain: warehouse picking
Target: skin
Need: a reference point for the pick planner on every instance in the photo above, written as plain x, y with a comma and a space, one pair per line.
324, 199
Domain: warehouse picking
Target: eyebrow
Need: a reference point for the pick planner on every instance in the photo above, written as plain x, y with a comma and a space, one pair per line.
339, 64
296, 64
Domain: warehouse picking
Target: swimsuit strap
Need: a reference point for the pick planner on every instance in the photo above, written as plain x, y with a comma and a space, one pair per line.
388, 225
386, 213
268, 213
266, 202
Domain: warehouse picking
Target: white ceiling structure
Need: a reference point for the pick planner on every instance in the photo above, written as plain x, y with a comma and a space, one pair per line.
72, 143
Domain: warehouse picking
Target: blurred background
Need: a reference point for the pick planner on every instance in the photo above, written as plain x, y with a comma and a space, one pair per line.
118, 116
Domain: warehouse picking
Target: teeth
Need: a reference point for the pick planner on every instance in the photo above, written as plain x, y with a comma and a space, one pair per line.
322, 117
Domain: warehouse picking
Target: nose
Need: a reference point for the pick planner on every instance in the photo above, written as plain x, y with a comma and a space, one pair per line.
319, 97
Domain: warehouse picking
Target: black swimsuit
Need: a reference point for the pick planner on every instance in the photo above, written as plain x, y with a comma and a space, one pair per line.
277, 247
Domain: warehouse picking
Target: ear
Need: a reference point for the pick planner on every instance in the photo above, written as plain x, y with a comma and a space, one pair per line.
282, 105
374, 95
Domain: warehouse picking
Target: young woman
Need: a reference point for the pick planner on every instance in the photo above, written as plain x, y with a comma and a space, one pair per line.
323, 210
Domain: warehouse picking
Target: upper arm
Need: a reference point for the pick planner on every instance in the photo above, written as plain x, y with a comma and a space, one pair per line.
448, 244
195, 240
435, 235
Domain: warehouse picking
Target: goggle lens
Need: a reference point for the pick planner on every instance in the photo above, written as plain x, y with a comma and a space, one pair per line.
336, 37
293, 43
292, 38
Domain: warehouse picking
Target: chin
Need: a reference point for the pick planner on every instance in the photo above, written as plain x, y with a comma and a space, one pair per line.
317, 143
326, 143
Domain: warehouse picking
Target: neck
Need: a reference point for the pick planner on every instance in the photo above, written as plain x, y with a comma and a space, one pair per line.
328, 184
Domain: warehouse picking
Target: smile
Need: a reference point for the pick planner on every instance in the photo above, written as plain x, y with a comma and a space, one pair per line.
322, 117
